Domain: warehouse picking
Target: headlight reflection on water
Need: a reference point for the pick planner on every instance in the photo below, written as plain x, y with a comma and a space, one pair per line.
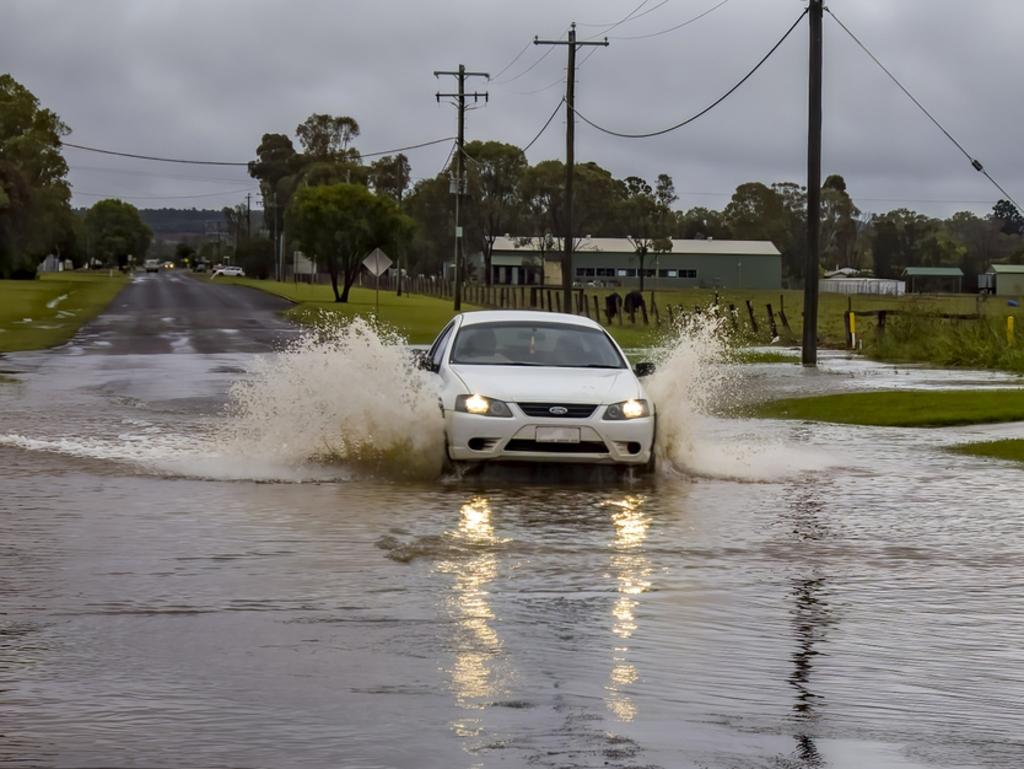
476, 681
632, 570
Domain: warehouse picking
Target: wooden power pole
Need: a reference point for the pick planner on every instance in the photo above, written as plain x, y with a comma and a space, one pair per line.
809, 355
460, 178
570, 163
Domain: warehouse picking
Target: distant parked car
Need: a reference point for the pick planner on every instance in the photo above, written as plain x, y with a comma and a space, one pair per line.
152, 265
229, 271
200, 267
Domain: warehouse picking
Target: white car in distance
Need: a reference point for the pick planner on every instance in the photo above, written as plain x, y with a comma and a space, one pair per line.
521, 386
229, 271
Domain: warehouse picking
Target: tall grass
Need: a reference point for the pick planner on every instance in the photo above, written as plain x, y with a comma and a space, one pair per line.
975, 343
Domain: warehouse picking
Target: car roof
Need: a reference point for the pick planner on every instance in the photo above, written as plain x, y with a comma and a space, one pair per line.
505, 316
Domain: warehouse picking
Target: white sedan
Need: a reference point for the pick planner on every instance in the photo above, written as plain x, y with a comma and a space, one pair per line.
520, 386
229, 271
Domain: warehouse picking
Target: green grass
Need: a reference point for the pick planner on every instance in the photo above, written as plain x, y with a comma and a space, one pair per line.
418, 318
87, 295
1011, 449
757, 356
902, 409
970, 343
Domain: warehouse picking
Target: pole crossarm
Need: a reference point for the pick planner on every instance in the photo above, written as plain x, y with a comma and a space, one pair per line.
571, 44
460, 74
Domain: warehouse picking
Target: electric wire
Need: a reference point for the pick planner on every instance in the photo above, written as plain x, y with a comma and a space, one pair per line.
516, 58
686, 23
525, 71
707, 109
623, 20
631, 18
560, 81
231, 163
975, 163
545, 126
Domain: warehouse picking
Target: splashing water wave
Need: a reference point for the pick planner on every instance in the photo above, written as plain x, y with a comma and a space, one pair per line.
348, 401
349, 394
694, 380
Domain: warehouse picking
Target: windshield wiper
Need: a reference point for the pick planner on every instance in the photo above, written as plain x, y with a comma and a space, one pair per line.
599, 365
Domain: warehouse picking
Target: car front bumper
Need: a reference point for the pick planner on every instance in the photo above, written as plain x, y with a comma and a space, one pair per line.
474, 438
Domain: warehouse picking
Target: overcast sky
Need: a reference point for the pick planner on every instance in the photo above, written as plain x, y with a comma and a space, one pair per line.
205, 79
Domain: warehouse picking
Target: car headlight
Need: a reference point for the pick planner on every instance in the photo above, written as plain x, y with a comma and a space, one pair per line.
631, 409
482, 406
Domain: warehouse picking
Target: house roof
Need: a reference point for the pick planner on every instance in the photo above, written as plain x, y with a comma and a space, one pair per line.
624, 246
933, 272
1007, 269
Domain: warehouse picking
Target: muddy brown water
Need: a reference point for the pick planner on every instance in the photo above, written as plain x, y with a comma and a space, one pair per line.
157, 609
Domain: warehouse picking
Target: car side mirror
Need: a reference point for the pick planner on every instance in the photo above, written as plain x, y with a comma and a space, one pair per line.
421, 360
644, 368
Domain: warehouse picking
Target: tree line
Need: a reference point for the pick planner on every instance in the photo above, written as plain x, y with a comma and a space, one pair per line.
324, 198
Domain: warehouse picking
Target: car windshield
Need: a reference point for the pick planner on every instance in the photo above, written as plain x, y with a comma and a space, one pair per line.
517, 343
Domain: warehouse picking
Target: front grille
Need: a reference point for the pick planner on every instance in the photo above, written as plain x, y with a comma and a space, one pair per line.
573, 410
583, 447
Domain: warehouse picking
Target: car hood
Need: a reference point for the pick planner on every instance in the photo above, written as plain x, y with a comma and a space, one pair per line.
537, 384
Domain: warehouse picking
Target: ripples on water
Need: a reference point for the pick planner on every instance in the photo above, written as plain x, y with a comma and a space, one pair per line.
864, 614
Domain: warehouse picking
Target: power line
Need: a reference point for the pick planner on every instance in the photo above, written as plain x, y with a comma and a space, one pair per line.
631, 17
525, 71
516, 58
686, 23
152, 157
975, 163
231, 163
546, 124
548, 87
707, 109
621, 21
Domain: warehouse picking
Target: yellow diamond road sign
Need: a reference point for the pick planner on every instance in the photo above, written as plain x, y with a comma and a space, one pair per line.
377, 262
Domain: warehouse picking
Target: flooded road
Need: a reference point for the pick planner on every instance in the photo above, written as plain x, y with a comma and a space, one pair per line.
164, 604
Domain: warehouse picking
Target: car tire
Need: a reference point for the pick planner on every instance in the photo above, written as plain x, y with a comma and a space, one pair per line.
651, 467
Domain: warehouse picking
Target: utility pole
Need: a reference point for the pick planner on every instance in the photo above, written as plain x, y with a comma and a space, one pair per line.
460, 179
809, 355
570, 162
248, 216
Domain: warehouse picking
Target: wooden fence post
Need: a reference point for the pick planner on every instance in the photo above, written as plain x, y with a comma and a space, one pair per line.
732, 317
881, 323
597, 311
771, 323
750, 312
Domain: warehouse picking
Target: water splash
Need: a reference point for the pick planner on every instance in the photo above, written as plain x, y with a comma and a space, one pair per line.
696, 378
348, 394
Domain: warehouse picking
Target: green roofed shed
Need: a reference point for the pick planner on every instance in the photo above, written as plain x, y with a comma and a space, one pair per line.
936, 280
1009, 279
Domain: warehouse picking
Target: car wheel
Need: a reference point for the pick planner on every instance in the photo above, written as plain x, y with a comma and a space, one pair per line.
652, 464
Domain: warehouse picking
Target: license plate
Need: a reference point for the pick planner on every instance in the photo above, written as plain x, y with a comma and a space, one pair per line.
558, 435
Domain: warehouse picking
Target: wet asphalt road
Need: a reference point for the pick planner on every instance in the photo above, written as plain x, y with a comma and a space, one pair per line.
174, 312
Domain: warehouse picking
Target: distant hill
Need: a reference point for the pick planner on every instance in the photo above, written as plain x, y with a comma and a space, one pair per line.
183, 223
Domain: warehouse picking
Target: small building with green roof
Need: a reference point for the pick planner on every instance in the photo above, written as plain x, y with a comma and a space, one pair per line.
1008, 278
934, 280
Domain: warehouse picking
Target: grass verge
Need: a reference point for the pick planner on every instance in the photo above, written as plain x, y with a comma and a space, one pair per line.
1011, 449
418, 318
902, 409
35, 314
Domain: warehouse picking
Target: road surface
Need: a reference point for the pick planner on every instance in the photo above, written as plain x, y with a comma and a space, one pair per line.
174, 312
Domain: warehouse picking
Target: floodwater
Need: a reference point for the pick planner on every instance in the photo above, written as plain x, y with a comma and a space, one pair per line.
803, 596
